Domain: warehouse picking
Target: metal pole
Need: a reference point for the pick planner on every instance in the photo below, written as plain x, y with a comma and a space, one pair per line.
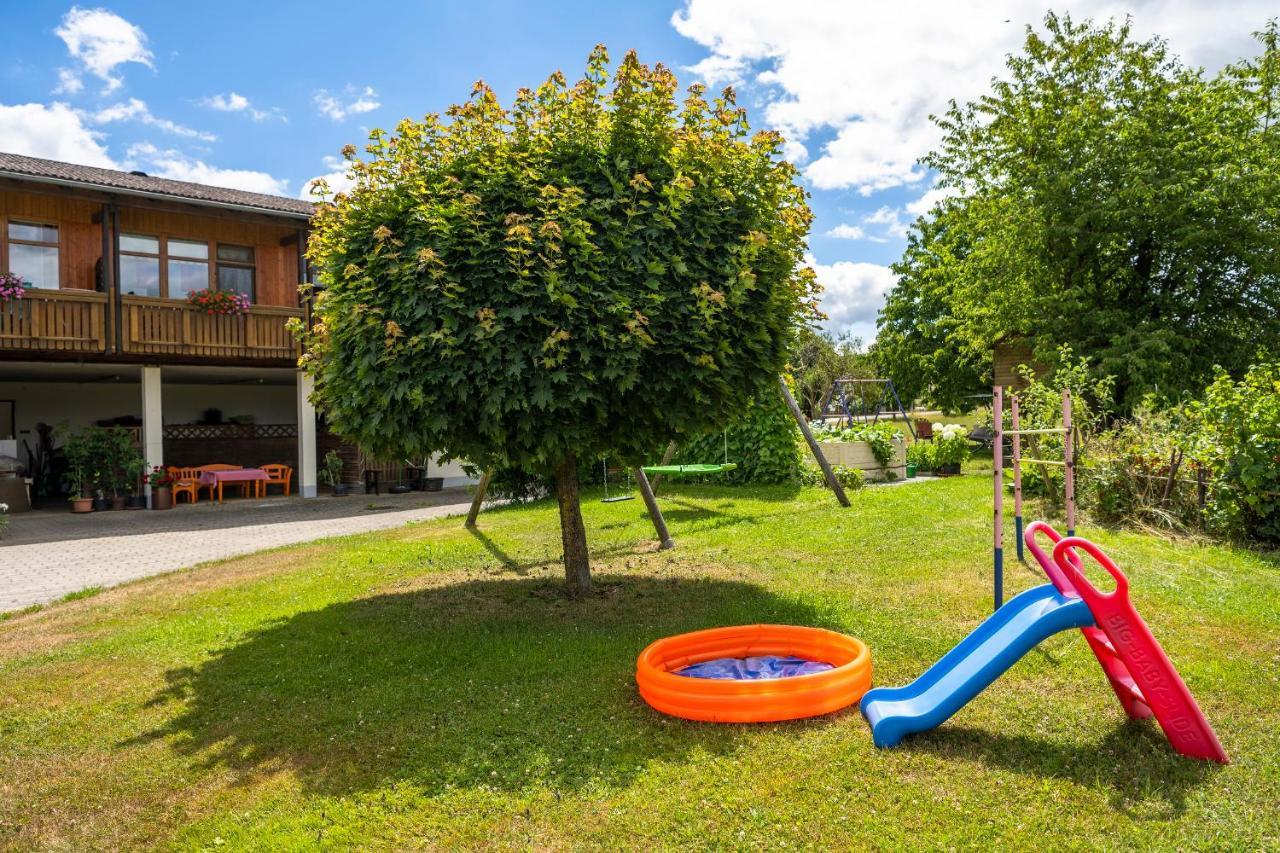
481, 488
1069, 457
665, 541
997, 460
832, 482
1017, 474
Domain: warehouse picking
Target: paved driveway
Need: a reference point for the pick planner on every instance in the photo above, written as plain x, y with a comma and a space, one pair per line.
47, 554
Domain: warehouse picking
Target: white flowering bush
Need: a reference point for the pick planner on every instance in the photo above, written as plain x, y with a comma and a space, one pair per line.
950, 444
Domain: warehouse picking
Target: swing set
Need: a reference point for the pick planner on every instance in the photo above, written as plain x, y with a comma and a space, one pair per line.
641, 474
852, 401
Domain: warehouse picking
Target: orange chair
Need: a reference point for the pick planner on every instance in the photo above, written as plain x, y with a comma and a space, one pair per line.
186, 481
219, 466
278, 475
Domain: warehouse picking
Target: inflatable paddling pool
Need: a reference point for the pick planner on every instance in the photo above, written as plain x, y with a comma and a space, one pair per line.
753, 673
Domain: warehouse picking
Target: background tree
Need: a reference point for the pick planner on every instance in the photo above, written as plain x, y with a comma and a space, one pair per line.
588, 272
1109, 198
819, 358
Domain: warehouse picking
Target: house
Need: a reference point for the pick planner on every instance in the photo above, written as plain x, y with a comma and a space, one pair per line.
105, 334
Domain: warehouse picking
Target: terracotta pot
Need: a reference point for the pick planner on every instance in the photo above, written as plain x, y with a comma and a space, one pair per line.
82, 505
118, 501
161, 498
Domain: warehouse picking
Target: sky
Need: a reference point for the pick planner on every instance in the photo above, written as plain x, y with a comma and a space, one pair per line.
263, 95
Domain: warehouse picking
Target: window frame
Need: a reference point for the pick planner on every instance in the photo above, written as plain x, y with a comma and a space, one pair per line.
164, 257
6, 241
251, 265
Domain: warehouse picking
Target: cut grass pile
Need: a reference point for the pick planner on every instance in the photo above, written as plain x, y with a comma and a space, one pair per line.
432, 687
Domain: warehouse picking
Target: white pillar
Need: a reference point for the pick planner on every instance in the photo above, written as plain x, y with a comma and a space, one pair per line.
306, 437
152, 420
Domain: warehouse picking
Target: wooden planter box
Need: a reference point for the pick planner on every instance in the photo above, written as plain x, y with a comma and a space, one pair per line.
857, 454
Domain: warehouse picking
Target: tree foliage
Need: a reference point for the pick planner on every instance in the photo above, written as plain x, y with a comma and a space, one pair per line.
592, 271
1108, 197
818, 359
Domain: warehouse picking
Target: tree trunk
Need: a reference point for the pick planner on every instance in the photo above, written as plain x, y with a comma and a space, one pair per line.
573, 533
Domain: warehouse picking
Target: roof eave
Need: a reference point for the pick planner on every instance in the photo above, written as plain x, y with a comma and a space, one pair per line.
113, 190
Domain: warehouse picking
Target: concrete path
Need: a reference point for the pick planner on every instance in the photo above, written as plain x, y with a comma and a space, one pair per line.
47, 554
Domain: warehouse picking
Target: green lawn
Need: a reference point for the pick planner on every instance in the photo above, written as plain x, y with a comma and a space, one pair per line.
430, 687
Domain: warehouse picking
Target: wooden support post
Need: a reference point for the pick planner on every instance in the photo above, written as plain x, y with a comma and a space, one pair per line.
481, 488
997, 459
655, 514
1017, 475
814, 448
1069, 457
666, 460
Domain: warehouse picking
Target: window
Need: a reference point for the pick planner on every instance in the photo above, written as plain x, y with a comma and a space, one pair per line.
33, 253
236, 269
139, 265
188, 267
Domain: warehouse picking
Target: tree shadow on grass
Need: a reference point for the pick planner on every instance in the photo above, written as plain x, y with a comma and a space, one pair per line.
498, 683
1146, 778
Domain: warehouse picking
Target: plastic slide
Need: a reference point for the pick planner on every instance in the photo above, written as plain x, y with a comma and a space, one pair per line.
978, 660
1126, 689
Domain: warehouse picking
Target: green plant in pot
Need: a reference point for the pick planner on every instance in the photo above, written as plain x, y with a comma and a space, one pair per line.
79, 450
122, 464
950, 448
331, 474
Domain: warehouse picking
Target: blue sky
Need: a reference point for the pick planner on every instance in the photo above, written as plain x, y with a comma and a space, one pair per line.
262, 95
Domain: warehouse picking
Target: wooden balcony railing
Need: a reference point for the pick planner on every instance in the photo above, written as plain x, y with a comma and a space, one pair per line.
62, 320
172, 327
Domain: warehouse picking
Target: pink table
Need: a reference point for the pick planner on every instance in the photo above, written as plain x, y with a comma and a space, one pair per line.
235, 475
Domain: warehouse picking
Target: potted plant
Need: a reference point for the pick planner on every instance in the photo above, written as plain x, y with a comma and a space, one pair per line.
950, 448
78, 451
161, 488
331, 474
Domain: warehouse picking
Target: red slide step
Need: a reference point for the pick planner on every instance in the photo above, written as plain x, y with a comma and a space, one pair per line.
1136, 650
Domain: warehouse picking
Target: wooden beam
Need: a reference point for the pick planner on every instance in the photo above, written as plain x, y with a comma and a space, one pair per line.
666, 460
814, 448
481, 488
665, 542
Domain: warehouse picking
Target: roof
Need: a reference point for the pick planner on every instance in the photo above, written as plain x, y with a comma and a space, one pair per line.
129, 183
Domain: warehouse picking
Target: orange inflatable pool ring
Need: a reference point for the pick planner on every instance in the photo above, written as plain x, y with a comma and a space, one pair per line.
724, 700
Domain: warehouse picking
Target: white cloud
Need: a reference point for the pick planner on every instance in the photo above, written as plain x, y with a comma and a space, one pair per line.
102, 41
53, 131
69, 82
350, 101
929, 200
137, 110
852, 293
162, 163
890, 221
873, 72
336, 178
233, 102
845, 231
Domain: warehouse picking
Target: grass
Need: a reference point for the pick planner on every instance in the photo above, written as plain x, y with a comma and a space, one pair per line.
430, 687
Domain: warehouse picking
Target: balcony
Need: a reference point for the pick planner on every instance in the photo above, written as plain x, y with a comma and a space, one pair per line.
172, 327
83, 322
55, 320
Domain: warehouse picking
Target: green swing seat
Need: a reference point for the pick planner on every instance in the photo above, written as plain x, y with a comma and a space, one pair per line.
689, 470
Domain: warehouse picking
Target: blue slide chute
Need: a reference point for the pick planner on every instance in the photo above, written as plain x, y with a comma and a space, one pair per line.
966, 670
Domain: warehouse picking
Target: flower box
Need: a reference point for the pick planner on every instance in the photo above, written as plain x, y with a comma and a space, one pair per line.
857, 454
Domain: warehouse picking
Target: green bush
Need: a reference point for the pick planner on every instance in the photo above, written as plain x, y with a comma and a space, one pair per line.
920, 454
764, 443
1241, 440
851, 478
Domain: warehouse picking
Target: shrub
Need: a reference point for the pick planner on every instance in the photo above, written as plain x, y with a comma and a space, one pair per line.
851, 478
764, 443
920, 454
950, 444
1241, 440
